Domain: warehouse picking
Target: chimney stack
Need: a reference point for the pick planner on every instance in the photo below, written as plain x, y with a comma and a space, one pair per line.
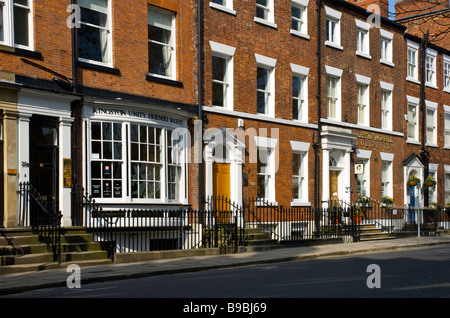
382, 4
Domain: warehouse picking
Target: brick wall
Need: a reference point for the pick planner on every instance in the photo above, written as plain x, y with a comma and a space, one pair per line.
250, 37
352, 64
52, 38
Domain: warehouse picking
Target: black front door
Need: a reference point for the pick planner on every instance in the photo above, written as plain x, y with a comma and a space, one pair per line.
44, 162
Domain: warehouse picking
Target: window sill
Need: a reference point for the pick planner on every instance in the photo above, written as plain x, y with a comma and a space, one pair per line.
21, 52
387, 63
364, 55
162, 80
431, 145
447, 89
300, 203
101, 68
222, 8
413, 142
412, 80
299, 34
334, 45
430, 85
265, 22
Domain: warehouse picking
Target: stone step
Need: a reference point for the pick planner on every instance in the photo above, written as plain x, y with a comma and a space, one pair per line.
23, 249
83, 256
80, 247
19, 240
26, 259
23, 268
17, 231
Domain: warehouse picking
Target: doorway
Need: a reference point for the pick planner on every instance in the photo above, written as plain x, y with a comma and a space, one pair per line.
44, 162
334, 186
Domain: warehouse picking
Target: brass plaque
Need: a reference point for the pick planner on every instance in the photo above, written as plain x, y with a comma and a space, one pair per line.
67, 173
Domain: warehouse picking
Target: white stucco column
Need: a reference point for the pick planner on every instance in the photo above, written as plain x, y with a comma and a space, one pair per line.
23, 137
346, 176
65, 152
209, 160
325, 176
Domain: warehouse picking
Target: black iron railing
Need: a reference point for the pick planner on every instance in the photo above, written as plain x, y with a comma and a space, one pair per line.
302, 222
40, 214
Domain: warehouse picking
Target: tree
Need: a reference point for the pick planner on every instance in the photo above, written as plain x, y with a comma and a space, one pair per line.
422, 16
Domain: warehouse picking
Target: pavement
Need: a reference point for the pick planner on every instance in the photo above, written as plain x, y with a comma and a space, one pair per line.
16, 283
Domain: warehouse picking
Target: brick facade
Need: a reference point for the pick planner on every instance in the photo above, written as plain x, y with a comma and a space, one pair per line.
251, 37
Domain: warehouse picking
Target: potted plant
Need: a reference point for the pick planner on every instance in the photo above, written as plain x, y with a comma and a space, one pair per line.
357, 215
363, 200
429, 182
387, 201
413, 181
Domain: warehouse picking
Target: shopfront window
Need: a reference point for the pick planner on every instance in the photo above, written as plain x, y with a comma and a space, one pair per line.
106, 163
135, 161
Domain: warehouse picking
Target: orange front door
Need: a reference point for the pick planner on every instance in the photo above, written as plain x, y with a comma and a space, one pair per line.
334, 177
221, 179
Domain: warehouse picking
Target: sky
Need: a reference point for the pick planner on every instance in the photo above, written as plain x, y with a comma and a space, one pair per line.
391, 5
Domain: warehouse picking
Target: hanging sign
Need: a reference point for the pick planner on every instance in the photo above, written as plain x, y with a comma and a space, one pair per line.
359, 168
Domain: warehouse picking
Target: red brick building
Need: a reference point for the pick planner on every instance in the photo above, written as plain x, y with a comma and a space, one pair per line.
87, 102
298, 104
357, 119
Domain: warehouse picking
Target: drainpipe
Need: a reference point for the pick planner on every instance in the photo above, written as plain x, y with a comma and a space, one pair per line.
317, 143
200, 99
424, 154
76, 107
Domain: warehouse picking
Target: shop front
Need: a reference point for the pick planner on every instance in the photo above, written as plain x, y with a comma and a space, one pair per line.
135, 156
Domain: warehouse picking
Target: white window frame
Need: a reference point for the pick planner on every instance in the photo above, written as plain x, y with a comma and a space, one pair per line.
386, 105
387, 158
446, 73
301, 72
108, 28
363, 82
362, 39
126, 163
447, 127
269, 18
336, 74
413, 102
171, 45
226, 6
333, 38
363, 156
226, 52
430, 68
269, 145
431, 107
303, 30
446, 184
433, 191
301, 148
269, 64
8, 24
413, 47
386, 47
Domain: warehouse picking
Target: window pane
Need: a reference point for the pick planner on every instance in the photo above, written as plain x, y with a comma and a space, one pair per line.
93, 40
2, 32
218, 94
218, 68
21, 26
160, 42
